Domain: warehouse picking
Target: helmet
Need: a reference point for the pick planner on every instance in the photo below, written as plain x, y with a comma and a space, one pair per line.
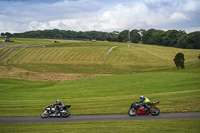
141, 97
57, 101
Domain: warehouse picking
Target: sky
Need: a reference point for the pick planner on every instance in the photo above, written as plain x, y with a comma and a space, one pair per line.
100, 15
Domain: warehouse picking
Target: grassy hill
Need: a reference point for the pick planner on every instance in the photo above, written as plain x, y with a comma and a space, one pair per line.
90, 58
128, 72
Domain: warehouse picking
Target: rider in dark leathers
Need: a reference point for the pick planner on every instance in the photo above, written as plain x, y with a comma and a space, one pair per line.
58, 105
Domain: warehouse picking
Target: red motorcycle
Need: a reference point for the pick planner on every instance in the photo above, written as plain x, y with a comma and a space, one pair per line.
139, 109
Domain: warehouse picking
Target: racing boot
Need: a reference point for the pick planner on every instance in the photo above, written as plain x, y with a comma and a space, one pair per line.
147, 108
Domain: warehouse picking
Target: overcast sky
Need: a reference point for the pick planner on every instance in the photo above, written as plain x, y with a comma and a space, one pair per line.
99, 15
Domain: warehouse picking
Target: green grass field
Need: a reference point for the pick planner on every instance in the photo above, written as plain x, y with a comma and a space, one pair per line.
138, 70
177, 91
150, 126
90, 57
25, 41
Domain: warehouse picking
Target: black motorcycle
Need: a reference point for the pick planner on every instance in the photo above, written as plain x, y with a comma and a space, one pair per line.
50, 111
139, 109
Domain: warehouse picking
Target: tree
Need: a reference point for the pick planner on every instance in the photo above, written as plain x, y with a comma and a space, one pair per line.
157, 37
135, 37
179, 60
123, 36
153, 36
8, 34
147, 36
112, 36
2, 34
171, 37
181, 43
193, 40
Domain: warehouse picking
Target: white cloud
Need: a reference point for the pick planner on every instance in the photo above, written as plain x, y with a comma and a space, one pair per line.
83, 15
34, 25
191, 5
178, 16
188, 30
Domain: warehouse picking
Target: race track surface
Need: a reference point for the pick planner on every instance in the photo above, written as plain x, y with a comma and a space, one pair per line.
97, 118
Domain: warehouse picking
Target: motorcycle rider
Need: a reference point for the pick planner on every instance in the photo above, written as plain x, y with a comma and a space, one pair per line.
145, 102
58, 105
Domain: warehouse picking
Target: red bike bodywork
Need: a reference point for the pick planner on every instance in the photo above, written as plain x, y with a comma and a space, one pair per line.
141, 111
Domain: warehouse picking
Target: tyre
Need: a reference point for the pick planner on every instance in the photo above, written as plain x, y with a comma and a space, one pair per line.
65, 113
132, 112
155, 111
45, 114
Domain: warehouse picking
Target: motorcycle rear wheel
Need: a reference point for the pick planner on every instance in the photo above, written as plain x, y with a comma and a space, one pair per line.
155, 111
132, 112
66, 114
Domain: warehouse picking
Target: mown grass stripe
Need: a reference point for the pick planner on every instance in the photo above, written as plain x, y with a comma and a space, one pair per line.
122, 59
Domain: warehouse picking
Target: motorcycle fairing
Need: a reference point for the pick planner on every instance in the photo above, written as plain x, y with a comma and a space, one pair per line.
141, 111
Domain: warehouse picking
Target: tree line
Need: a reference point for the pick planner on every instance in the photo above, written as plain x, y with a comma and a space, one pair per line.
170, 38
66, 34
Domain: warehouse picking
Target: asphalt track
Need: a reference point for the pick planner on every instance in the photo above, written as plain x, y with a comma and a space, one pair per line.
97, 118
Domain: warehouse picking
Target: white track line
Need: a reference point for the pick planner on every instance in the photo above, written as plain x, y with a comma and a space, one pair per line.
109, 51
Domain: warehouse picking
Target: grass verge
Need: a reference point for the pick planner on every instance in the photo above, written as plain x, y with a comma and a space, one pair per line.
177, 91
150, 126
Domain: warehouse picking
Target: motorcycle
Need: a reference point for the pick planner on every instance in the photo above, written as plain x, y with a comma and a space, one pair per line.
139, 109
50, 111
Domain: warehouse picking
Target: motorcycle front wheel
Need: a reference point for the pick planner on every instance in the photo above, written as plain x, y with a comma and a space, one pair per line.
45, 114
155, 111
132, 112
66, 113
